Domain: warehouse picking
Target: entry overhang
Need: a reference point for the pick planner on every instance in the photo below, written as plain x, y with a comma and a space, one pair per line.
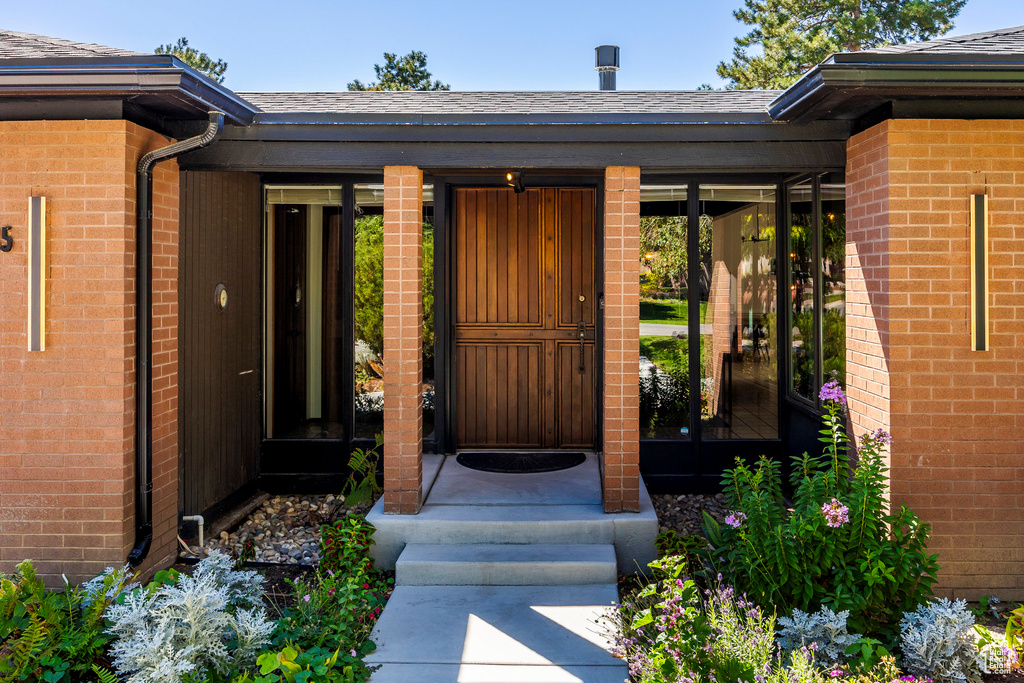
157, 89
848, 85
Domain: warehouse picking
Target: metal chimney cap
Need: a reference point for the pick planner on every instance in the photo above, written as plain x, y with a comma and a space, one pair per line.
606, 58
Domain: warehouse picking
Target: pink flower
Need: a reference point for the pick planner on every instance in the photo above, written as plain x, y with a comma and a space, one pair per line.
836, 514
735, 519
305, 598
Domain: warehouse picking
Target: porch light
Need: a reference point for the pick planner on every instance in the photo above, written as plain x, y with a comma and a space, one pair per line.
515, 181
37, 274
979, 273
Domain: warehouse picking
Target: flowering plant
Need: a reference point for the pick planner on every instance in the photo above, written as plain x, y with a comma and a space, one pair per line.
837, 544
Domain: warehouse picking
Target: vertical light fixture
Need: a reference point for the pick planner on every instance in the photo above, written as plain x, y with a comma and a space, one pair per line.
37, 273
979, 272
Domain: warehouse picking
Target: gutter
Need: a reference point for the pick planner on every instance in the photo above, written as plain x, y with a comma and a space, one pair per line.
144, 331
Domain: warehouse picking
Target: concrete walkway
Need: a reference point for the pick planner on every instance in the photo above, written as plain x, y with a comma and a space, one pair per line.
506, 578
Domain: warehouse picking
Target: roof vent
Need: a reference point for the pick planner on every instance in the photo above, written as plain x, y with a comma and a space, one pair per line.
606, 63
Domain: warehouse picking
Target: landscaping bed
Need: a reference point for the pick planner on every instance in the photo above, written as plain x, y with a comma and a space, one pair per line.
825, 583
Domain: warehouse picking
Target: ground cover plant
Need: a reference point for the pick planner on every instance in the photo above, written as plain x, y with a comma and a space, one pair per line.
214, 624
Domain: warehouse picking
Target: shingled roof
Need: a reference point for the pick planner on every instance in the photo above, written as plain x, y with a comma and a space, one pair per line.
999, 42
514, 103
17, 45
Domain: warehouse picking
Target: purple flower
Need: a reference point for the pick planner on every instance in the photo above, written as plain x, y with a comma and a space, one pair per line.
831, 391
835, 673
735, 519
836, 514
305, 598
882, 436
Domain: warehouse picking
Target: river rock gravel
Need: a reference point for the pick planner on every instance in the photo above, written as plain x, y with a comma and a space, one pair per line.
684, 513
285, 529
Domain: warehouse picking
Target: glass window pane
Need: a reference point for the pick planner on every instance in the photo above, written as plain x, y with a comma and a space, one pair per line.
664, 361
369, 310
802, 333
304, 314
428, 311
738, 293
833, 269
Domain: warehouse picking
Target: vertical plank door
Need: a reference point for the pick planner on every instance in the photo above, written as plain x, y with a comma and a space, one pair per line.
524, 281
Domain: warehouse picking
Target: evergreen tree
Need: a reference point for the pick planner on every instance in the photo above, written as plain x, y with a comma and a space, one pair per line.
408, 72
792, 36
200, 61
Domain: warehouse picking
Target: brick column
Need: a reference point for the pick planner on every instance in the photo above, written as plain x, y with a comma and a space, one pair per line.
955, 414
403, 334
621, 389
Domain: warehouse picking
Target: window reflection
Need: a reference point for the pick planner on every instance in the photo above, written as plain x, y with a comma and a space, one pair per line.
803, 332
739, 358
664, 348
369, 310
833, 280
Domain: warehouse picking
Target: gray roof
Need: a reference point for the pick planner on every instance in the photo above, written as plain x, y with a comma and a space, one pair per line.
16, 45
999, 42
515, 103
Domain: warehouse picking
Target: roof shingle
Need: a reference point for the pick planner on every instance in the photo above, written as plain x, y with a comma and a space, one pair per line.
514, 103
1000, 42
17, 45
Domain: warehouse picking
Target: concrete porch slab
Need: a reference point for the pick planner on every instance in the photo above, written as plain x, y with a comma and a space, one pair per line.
497, 673
458, 485
461, 632
632, 533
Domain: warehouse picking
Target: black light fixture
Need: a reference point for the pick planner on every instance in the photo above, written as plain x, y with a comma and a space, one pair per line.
515, 181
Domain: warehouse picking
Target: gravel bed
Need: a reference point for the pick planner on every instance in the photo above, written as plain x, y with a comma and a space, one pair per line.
285, 529
684, 513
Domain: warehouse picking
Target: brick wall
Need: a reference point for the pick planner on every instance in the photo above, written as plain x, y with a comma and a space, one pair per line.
621, 390
955, 414
67, 414
403, 334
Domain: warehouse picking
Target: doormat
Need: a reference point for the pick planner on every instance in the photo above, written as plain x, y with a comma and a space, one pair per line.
521, 462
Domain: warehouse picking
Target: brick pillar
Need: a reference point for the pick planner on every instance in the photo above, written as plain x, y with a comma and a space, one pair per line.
621, 390
403, 334
955, 414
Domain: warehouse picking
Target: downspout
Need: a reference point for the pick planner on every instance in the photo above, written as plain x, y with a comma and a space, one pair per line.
144, 331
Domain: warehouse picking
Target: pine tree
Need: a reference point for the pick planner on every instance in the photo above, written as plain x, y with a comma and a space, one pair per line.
792, 36
200, 61
408, 72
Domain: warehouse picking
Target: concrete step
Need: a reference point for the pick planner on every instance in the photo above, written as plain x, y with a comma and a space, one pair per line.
487, 634
632, 534
505, 565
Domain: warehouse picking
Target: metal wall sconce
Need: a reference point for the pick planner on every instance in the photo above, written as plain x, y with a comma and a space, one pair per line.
979, 273
37, 273
515, 181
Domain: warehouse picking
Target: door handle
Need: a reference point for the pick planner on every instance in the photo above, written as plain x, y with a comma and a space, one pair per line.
581, 332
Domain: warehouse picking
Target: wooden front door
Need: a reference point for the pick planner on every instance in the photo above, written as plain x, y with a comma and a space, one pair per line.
525, 292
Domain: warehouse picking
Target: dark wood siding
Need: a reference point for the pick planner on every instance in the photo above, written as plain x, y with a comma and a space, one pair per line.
219, 350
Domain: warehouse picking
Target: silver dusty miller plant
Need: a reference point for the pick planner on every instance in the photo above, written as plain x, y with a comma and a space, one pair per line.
209, 622
825, 629
937, 641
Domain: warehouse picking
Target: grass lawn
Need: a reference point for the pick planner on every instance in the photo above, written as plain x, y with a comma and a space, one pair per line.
668, 353
668, 311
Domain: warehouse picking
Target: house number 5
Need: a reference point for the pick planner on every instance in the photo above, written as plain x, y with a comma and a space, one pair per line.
6, 241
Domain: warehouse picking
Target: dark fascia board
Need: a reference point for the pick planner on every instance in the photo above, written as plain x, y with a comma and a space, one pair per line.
664, 131
499, 118
175, 90
848, 84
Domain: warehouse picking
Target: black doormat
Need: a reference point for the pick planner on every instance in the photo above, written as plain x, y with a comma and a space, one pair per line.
520, 462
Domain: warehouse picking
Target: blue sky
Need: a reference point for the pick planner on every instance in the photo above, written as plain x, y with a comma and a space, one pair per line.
472, 45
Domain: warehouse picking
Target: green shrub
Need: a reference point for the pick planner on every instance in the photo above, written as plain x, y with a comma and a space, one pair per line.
54, 636
835, 545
